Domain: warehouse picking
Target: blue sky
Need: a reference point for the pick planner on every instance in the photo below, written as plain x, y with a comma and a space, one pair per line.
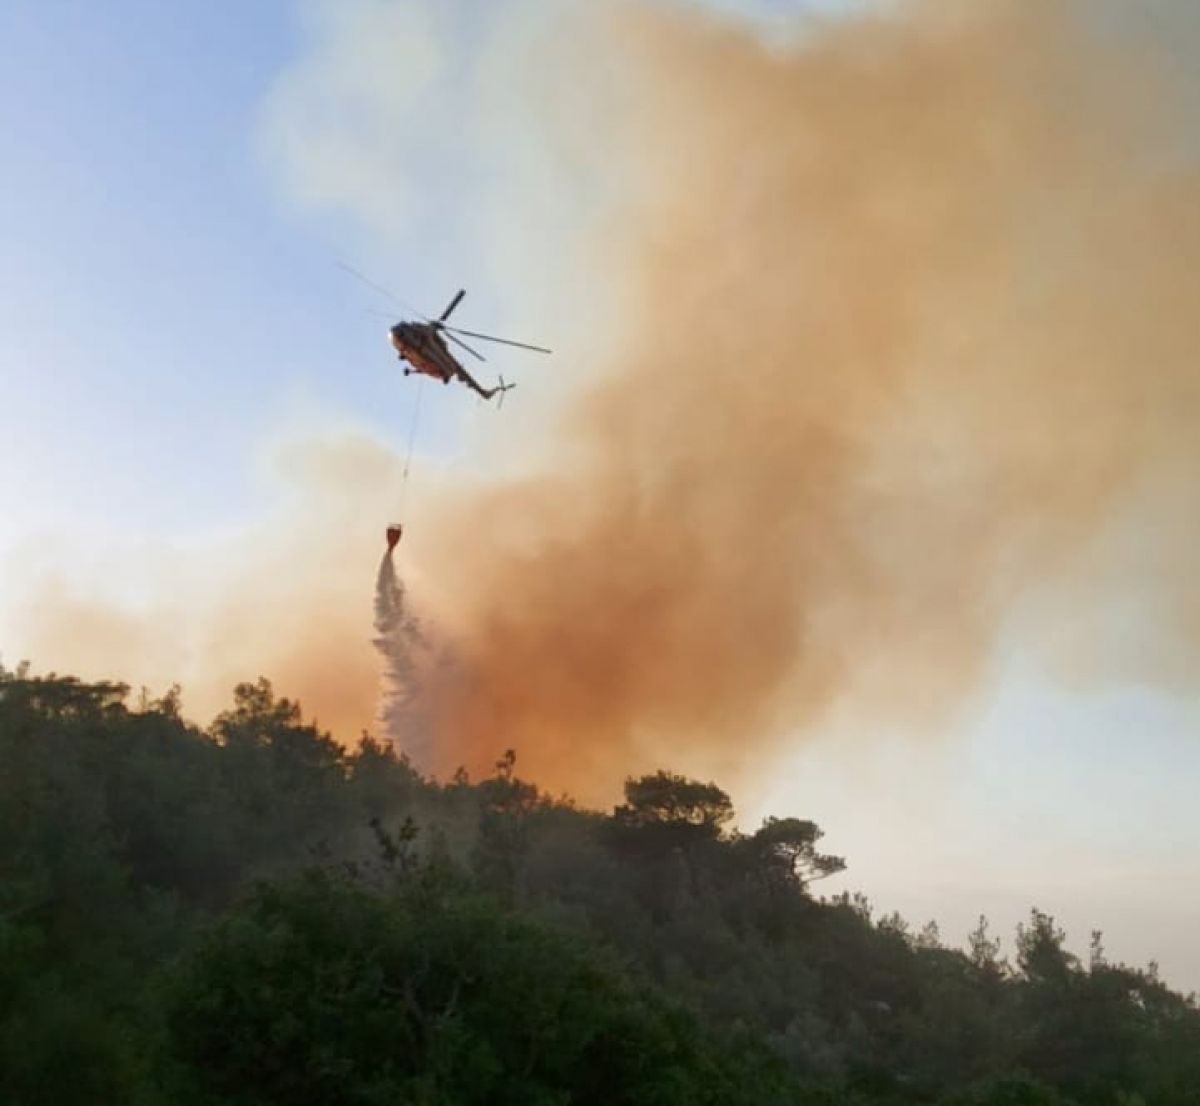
161, 312
167, 307
135, 236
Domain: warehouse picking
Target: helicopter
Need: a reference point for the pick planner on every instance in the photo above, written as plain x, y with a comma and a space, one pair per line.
423, 345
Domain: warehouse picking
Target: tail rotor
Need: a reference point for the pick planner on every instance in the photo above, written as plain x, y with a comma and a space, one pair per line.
500, 389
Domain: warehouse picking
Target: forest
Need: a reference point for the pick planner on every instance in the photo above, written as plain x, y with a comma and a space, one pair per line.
253, 914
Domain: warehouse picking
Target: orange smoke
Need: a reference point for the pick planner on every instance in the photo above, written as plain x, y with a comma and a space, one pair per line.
916, 314
912, 350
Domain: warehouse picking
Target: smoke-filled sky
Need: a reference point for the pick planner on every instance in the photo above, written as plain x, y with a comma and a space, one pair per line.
862, 478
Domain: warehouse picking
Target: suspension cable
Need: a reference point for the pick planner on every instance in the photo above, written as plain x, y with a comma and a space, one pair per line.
412, 437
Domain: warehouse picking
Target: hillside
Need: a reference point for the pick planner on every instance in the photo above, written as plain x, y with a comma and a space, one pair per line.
255, 914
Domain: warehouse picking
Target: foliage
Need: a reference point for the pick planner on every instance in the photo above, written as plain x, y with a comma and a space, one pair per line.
252, 914
319, 992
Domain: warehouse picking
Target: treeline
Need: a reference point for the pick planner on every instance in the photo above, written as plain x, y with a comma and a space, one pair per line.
252, 914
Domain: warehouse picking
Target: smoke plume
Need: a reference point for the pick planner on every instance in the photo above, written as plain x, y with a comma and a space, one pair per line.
913, 322
909, 371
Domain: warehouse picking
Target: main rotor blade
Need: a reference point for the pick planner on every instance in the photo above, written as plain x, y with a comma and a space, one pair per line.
459, 342
492, 338
453, 304
370, 283
404, 305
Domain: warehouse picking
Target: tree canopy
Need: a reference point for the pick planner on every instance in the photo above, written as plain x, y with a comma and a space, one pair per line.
253, 914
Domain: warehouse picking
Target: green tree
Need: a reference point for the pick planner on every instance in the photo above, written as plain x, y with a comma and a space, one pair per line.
785, 852
319, 992
682, 807
285, 779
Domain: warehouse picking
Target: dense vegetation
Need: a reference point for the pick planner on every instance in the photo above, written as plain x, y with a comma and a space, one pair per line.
255, 915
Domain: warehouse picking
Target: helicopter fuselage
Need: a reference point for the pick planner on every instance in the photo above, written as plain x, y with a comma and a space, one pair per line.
425, 350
